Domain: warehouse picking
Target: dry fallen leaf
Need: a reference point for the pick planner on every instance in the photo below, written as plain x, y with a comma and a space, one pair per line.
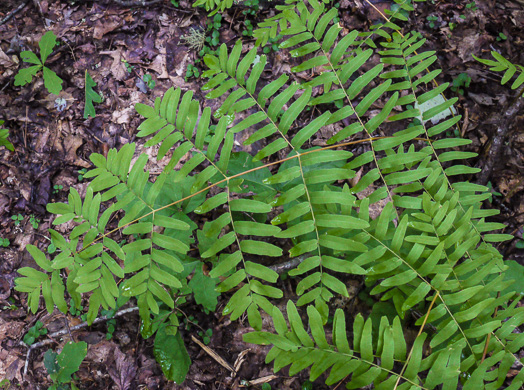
159, 65
481, 98
71, 144
105, 26
124, 372
117, 67
5, 60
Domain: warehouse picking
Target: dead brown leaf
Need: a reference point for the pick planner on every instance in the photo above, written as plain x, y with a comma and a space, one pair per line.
159, 65
482, 98
117, 67
5, 60
107, 25
71, 145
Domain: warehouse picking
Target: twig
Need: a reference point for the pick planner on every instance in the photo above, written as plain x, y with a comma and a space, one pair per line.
137, 3
38, 7
213, 354
14, 12
288, 265
499, 138
67, 330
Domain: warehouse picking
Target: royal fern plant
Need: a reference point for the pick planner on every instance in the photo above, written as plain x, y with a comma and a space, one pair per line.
386, 199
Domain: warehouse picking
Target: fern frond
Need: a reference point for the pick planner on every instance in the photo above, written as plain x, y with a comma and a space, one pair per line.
501, 64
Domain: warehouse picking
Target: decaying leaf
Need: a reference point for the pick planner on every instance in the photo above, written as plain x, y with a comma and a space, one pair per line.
123, 372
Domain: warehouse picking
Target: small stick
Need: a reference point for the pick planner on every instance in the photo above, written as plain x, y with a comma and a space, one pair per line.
68, 330
287, 265
38, 7
136, 3
213, 354
14, 12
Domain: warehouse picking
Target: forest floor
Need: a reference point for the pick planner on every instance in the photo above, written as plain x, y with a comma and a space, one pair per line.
121, 46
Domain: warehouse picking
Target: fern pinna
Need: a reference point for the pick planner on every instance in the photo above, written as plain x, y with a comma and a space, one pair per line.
425, 249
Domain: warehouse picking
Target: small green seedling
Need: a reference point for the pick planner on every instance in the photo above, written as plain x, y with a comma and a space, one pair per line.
81, 174
432, 19
57, 188
248, 31
148, 79
209, 136
61, 367
272, 44
4, 242
206, 337
192, 71
203, 41
10, 304
75, 311
52, 82
17, 218
253, 6
111, 324
501, 37
189, 321
213, 26
128, 66
175, 3
34, 221
206, 50
460, 82
472, 6
266, 386
34, 332
4, 133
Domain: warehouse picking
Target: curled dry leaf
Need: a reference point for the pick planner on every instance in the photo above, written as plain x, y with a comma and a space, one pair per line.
5, 61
